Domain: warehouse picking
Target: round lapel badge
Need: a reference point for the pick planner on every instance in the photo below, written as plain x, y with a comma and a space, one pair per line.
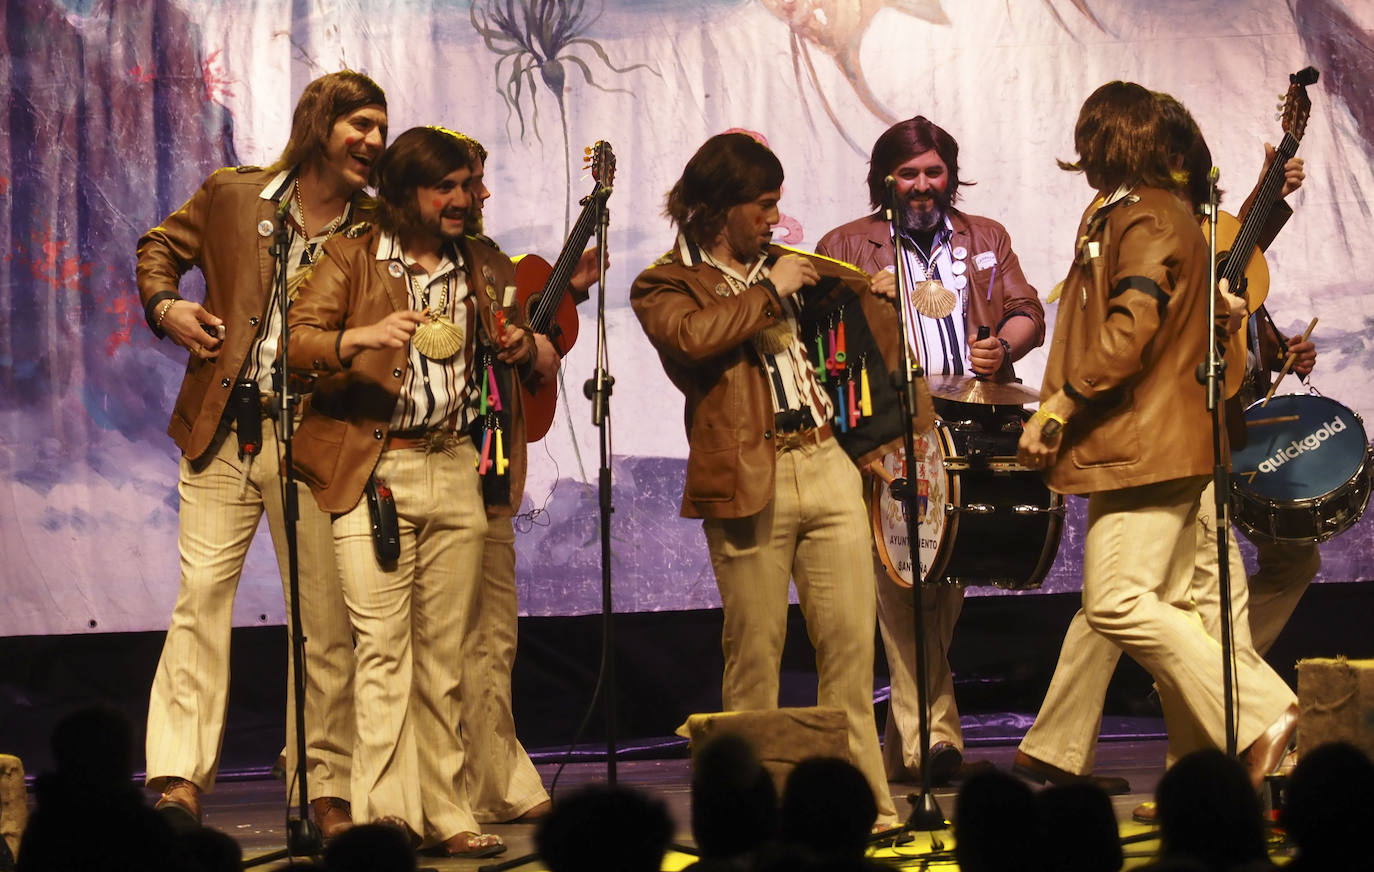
264, 228
395, 269
960, 252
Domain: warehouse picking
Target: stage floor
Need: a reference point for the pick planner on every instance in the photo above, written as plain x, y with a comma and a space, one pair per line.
252, 812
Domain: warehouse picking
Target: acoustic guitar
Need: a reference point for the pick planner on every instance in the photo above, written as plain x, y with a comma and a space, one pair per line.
1238, 258
541, 289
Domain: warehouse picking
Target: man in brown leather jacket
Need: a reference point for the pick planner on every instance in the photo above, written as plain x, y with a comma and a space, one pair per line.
407, 322
1122, 416
778, 497
230, 475
972, 257
1062, 743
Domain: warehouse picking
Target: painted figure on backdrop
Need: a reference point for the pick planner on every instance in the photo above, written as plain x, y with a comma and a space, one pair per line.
502, 783
1119, 418
412, 423
980, 277
1061, 743
777, 496
230, 463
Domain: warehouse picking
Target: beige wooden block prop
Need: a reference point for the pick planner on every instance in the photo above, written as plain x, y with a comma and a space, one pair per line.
781, 737
1335, 703
14, 801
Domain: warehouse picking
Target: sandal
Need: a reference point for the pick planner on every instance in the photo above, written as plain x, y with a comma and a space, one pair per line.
473, 845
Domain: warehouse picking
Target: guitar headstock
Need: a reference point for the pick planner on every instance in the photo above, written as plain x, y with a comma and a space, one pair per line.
600, 159
1297, 106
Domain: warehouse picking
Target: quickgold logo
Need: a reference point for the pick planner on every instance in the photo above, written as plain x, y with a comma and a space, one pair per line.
1310, 442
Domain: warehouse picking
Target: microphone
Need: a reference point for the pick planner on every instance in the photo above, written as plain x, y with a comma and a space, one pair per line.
890, 202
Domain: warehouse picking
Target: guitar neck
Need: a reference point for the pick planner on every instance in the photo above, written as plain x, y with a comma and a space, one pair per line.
566, 264
1253, 222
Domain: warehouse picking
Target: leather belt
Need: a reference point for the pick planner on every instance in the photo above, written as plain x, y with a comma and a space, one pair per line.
433, 439
802, 438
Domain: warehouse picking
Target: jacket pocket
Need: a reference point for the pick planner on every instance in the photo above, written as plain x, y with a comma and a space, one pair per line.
318, 448
1113, 442
711, 472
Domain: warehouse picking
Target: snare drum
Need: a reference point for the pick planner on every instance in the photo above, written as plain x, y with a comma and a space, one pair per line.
984, 519
1304, 475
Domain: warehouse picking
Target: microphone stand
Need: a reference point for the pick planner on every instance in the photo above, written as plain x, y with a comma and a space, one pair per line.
302, 836
598, 390
1210, 373
926, 815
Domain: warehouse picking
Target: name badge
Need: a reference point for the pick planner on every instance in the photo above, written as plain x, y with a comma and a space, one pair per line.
985, 260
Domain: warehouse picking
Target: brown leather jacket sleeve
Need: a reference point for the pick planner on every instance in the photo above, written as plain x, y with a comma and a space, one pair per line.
682, 328
1138, 294
172, 248
319, 315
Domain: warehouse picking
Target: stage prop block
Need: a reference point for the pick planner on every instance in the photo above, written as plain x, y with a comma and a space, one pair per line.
14, 802
1335, 703
782, 738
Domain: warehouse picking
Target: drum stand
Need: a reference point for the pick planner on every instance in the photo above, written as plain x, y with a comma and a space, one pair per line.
1210, 373
926, 815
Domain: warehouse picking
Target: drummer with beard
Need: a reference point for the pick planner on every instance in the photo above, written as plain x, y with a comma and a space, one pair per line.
964, 277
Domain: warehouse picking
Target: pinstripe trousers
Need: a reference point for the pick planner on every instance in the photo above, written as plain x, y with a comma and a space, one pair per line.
409, 618
501, 780
223, 499
815, 531
1143, 593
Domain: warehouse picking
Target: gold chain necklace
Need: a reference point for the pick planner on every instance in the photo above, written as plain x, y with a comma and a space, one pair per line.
438, 338
293, 285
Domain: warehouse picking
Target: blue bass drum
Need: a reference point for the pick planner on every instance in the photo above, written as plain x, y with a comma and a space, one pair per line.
1305, 474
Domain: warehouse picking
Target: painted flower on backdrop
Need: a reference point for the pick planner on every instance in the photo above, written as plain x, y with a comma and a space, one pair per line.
547, 37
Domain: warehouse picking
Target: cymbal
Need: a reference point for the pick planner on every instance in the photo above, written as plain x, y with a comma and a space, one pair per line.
968, 389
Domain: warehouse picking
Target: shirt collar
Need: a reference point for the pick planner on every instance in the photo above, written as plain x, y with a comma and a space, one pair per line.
389, 248
278, 186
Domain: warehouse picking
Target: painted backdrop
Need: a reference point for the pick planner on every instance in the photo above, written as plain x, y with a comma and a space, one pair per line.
115, 110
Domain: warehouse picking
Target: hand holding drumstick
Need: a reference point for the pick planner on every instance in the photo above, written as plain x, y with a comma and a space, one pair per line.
1288, 361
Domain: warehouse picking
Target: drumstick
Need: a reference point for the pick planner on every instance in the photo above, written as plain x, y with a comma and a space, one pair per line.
880, 471
1279, 419
1287, 364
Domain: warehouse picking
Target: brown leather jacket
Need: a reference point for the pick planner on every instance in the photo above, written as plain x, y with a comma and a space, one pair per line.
702, 333
867, 243
1132, 328
349, 415
220, 229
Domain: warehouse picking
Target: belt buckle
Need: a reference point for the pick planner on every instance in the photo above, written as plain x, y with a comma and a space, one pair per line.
439, 439
792, 440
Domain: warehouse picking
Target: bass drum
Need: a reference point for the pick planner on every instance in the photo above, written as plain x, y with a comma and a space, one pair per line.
1304, 475
984, 518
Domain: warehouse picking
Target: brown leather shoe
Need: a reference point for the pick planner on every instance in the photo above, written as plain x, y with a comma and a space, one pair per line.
180, 802
332, 815
1266, 753
1039, 771
1145, 813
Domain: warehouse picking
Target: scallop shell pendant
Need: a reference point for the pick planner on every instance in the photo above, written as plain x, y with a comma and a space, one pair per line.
933, 299
438, 338
775, 338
